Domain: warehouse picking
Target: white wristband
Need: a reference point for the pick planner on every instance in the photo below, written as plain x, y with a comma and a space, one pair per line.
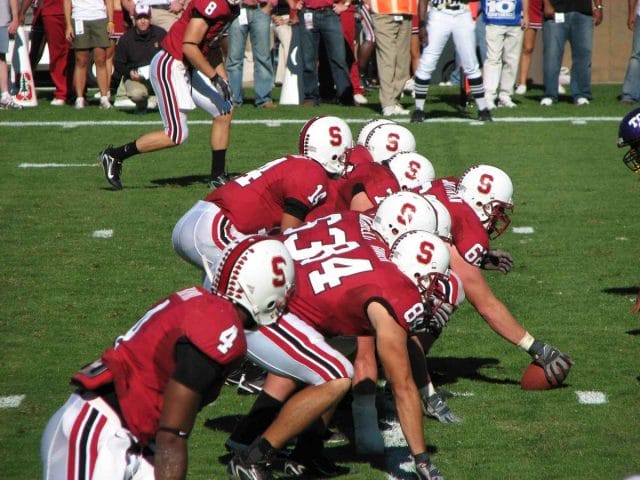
526, 342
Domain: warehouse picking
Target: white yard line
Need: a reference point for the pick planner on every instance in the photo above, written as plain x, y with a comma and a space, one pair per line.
56, 165
12, 401
102, 233
591, 397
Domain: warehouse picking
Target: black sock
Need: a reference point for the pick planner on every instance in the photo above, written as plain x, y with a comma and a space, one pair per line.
310, 442
263, 412
418, 364
218, 159
125, 151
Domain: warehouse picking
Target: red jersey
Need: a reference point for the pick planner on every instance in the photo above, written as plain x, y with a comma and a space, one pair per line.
142, 360
374, 179
467, 232
341, 267
217, 13
256, 200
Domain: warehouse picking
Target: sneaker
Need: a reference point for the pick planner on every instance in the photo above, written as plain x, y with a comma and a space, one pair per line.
105, 104
394, 110
485, 115
521, 89
360, 99
317, 467
546, 102
239, 469
58, 102
218, 181
80, 103
253, 380
8, 103
505, 101
581, 101
268, 105
111, 166
418, 116
124, 103
435, 407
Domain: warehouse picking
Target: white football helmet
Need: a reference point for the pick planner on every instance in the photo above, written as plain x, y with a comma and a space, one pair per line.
325, 139
488, 191
388, 139
257, 273
443, 230
411, 169
424, 258
401, 212
367, 127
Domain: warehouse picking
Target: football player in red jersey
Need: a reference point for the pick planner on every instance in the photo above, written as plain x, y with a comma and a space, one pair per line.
187, 72
346, 287
149, 387
478, 203
278, 195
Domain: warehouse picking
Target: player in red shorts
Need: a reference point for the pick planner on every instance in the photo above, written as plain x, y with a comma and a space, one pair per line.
187, 72
149, 387
346, 286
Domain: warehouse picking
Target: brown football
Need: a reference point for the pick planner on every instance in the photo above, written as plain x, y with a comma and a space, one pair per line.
534, 378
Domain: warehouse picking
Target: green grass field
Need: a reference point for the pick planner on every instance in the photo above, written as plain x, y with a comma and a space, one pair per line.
66, 294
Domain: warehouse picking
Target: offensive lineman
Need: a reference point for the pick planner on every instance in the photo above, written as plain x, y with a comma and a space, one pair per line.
148, 388
187, 72
443, 19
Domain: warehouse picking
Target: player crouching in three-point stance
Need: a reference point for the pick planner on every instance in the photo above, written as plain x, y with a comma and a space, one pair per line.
187, 72
148, 388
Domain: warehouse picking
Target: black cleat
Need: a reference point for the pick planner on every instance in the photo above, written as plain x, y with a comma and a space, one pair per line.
317, 467
218, 181
239, 469
112, 167
485, 115
252, 380
418, 116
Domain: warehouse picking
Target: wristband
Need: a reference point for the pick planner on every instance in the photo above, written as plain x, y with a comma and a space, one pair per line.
526, 342
421, 458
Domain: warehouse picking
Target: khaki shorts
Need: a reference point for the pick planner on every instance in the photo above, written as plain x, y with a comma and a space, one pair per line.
94, 35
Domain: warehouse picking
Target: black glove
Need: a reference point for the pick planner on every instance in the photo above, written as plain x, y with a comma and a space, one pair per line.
497, 260
425, 469
555, 363
222, 86
437, 321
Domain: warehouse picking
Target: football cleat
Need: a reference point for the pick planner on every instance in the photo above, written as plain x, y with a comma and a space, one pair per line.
317, 467
418, 116
252, 380
112, 167
485, 115
218, 181
239, 469
435, 407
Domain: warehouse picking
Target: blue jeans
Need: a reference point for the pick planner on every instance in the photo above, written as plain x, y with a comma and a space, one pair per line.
326, 26
259, 27
577, 28
631, 85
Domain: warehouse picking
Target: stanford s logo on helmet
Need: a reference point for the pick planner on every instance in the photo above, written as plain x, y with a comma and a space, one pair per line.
401, 212
387, 139
488, 191
325, 139
370, 125
258, 274
629, 136
411, 169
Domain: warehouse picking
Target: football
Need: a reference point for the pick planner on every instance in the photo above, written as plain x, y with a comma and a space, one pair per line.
534, 378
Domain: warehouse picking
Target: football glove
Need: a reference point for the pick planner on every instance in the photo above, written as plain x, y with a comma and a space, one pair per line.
222, 86
435, 406
437, 321
425, 469
497, 260
555, 363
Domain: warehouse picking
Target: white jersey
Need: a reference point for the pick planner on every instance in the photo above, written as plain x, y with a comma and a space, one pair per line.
88, 9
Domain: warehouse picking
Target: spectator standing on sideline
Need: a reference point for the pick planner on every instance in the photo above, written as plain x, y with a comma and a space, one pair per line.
164, 13
194, 40
505, 22
392, 24
254, 21
631, 84
282, 31
51, 14
444, 19
9, 21
134, 53
367, 45
529, 43
348, 22
88, 26
573, 21
321, 22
